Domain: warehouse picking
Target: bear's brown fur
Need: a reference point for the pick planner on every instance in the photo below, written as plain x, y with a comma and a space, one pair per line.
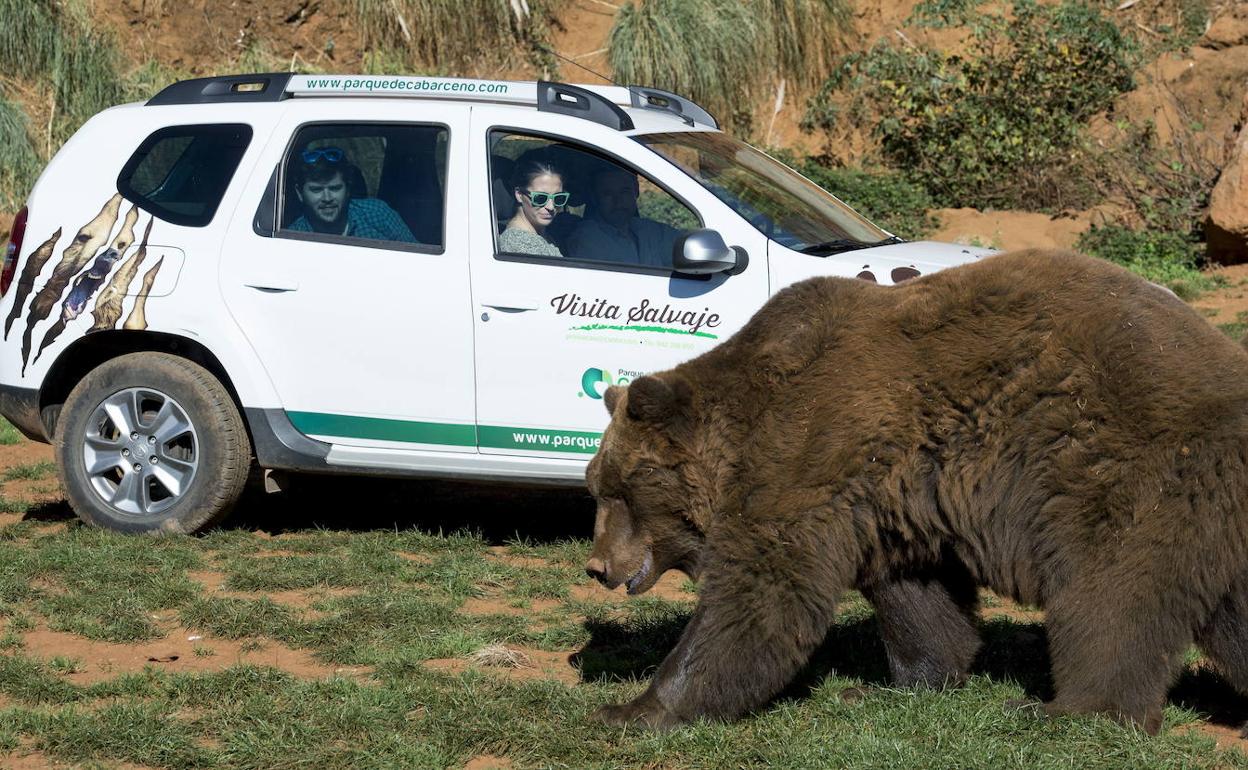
1040, 423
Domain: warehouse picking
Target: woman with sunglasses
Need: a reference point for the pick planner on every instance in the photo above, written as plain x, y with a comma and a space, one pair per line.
538, 187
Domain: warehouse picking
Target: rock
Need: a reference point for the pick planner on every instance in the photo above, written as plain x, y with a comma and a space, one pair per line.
1226, 31
1226, 229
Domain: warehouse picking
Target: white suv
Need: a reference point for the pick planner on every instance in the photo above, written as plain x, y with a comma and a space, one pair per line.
385, 275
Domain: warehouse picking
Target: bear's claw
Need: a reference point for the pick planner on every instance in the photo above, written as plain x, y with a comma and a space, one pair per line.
645, 712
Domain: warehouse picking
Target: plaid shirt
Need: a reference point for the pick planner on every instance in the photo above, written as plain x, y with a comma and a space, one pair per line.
367, 218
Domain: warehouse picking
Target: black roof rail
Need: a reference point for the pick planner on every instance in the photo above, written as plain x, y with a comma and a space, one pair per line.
261, 87
666, 101
581, 103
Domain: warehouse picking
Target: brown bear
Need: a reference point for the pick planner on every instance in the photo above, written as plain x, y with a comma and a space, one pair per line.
1047, 425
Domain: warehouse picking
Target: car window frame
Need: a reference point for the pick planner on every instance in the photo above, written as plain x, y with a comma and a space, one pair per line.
276, 185
592, 264
153, 207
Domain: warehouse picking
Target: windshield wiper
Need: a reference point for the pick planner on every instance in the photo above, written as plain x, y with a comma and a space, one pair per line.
834, 247
841, 245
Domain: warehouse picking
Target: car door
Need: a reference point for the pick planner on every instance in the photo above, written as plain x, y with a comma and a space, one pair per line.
362, 324
553, 332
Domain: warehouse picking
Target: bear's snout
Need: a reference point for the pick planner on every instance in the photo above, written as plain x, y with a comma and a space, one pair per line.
597, 569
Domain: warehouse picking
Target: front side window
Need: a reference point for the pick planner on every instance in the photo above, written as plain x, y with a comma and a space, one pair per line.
781, 204
559, 200
180, 173
365, 184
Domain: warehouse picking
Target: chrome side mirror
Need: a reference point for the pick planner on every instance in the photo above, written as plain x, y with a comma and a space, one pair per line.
701, 252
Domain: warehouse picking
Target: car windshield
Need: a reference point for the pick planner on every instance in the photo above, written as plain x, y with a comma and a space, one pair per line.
783, 205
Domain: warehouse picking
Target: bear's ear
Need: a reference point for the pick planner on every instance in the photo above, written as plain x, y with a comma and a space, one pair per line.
654, 400
612, 397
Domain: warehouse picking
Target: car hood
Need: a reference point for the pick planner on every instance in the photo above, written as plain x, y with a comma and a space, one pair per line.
897, 262
932, 254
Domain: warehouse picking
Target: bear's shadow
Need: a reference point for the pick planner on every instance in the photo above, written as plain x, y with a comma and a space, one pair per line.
1012, 651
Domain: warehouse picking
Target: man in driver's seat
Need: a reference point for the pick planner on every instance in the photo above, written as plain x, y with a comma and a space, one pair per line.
613, 231
322, 184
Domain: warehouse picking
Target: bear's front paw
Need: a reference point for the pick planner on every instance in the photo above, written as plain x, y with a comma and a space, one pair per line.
645, 712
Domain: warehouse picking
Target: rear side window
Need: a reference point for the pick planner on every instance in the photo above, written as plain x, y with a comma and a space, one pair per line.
377, 185
180, 173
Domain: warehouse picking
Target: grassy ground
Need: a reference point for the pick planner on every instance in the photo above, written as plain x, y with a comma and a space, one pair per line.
318, 632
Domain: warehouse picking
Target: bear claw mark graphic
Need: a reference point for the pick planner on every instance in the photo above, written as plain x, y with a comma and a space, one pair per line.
34, 263
85, 284
138, 316
88, 240
108, 306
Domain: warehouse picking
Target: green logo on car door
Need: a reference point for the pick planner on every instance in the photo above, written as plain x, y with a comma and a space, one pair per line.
594, 382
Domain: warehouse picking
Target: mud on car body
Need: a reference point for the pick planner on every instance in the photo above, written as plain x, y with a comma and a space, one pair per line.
385, 275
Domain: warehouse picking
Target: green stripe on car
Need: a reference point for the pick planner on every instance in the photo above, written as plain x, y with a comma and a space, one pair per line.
447, 434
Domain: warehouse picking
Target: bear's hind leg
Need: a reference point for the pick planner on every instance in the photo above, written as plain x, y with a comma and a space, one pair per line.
927, 620
1224, 638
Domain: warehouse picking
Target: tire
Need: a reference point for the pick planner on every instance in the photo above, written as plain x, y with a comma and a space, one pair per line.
181, 466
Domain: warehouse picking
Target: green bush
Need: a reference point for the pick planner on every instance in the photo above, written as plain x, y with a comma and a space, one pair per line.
722, 53
1002, 126
1167, 258
887, 198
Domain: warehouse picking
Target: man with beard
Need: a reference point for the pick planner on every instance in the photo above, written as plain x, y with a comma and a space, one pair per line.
322, 186
612, 229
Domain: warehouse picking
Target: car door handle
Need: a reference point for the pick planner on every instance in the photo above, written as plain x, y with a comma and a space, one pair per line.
509, 308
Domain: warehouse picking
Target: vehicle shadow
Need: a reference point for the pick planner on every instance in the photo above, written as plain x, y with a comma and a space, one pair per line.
1012, 651
50, 512
498, 512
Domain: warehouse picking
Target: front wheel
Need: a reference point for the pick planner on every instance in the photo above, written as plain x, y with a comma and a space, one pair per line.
149, 442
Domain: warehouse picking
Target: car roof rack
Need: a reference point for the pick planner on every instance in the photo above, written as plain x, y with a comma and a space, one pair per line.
666, 101
262, 87
600, 104
580, 102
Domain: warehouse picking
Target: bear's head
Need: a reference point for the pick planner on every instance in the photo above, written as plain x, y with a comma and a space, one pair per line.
654, 496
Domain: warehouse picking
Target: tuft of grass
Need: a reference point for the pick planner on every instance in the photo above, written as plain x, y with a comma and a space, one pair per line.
13, 506
20, 165
9, 435
501, 656
29, 37
456, 35
725, 53
64, 664
1237, 329
29, 472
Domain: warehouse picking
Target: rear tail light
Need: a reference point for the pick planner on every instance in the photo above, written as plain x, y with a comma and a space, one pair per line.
12, 251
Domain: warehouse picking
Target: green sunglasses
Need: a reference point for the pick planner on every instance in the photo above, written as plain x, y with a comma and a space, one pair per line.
538, 199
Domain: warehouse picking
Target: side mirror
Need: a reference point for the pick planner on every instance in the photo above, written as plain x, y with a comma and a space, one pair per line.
702, 252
